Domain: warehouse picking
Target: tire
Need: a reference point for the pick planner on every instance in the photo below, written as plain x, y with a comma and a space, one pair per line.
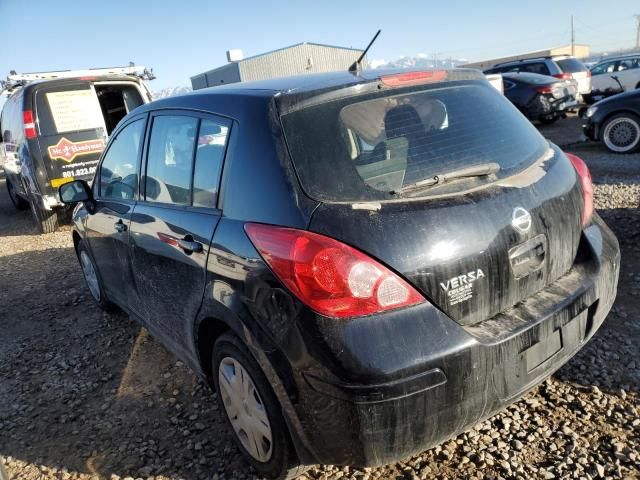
621, 133
46, 220
548, 120
275, 459
88, 265
18, 202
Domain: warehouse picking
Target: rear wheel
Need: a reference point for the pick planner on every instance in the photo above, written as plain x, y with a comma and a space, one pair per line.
18, 202
46, 220
92, 278
548, 120
252, 410
621, 133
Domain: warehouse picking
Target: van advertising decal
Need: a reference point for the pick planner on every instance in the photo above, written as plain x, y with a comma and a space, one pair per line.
67, 151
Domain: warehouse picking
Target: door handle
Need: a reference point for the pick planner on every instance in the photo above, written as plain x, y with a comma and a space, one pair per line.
189, 245
120, 226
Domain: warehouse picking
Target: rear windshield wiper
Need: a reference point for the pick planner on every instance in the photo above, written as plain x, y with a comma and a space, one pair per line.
467, 172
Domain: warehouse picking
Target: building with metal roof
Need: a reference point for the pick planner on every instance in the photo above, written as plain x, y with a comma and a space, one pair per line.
296, 59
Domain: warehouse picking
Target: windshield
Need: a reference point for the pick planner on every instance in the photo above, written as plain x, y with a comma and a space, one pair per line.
360, 149
571, 65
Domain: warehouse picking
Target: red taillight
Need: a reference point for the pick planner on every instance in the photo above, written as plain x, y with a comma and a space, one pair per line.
413, 78
587, 186
332, 278
563, 76
29, 124
547, 89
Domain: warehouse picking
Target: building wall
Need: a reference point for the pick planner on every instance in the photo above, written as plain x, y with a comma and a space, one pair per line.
581, 51
229, 73
299, 59
295, 60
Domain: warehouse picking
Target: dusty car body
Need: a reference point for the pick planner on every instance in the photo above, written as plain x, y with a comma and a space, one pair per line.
390, 287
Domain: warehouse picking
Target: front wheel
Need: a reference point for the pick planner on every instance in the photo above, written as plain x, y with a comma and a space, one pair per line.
92, 277
252, 410
621, 133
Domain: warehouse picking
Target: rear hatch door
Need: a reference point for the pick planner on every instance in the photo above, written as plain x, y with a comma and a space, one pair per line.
72, 132
473, 246
578, 72
74, 120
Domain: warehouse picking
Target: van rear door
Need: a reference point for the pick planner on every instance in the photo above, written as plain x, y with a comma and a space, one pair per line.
72, 132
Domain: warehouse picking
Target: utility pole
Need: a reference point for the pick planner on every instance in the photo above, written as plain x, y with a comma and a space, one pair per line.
573, 39
637, 31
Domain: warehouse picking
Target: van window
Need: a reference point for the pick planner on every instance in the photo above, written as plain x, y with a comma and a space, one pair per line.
169, 162
415, 136
63, 110
116, 100
119, 169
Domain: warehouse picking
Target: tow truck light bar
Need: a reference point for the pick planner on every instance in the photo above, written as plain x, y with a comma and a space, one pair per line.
15, 80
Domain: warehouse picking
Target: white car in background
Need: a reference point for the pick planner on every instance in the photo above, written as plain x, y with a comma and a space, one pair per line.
626, 68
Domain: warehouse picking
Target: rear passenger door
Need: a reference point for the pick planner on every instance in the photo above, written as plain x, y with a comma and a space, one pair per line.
173, 223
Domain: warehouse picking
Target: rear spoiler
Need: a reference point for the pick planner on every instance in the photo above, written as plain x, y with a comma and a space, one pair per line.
15, 80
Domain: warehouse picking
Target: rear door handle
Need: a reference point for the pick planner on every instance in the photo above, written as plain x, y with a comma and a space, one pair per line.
120, 226
189, 245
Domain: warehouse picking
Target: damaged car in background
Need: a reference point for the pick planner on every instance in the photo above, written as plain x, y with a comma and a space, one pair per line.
540, 97
54, 126
363, 264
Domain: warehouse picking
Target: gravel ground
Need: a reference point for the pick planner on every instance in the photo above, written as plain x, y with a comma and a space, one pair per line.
87, 395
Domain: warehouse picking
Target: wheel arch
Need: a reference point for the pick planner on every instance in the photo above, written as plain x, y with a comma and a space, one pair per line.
208, 330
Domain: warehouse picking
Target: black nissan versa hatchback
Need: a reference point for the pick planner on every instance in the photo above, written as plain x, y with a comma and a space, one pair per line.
363, 265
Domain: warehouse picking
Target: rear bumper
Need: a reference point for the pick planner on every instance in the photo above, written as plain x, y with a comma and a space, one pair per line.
460, 375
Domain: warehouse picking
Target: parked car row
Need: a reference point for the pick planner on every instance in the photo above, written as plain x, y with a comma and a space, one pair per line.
361, 264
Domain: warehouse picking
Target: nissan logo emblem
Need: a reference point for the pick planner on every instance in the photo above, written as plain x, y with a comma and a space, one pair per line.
521, 220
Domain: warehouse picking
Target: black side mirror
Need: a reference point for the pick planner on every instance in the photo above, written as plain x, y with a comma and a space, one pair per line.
74, 192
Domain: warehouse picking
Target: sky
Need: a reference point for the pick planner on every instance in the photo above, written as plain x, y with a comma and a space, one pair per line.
185, 37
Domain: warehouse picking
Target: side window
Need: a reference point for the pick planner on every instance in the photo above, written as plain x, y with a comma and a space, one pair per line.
539, 68
607, 67
169, 162
119, 168
625, 64
212, 138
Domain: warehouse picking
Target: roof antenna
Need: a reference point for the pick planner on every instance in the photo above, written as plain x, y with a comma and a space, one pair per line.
355, 67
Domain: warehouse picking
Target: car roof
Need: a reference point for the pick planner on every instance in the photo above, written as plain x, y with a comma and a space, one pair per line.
299, 85
613, 58
529, 77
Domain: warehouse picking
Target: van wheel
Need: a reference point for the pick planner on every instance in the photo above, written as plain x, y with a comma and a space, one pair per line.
92, 277
252, 410
621, 133
18, 202
548, 120
46, 220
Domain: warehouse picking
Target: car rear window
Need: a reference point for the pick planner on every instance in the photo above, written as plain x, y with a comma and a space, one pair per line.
63, 110
571, 65
363, 148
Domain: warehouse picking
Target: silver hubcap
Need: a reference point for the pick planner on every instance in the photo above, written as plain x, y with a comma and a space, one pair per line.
622, 134
245, 409
90, 275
